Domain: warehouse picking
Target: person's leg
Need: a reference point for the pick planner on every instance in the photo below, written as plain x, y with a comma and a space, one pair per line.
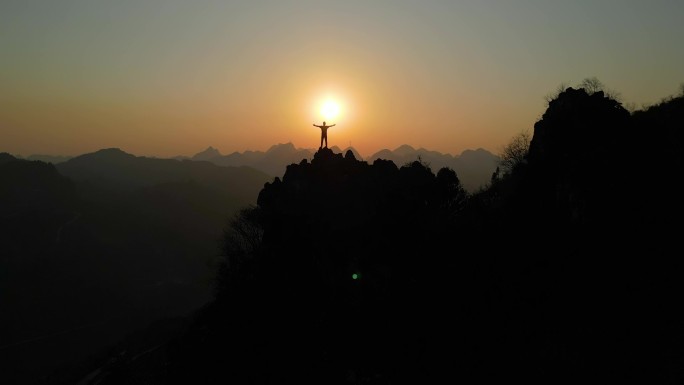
321, 146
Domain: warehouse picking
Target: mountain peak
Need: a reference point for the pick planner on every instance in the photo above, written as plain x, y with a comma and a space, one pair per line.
113, 152
404, 149
108, 155
282, 147
207, 154
479, 153
6, 157
325, 154
357, 155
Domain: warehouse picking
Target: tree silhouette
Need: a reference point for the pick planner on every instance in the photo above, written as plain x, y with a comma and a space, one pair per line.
591, 85
452, 195
515, 152
241, 244
554, 95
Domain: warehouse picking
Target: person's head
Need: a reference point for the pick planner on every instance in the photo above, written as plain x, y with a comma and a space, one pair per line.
324, 122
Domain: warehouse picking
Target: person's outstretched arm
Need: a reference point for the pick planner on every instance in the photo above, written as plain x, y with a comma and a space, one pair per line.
316, 125
332, 125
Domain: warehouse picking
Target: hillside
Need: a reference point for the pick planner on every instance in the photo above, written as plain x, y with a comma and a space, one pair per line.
562, 270
103, 244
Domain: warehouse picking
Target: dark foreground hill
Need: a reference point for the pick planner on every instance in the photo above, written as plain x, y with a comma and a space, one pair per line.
101, 245
325, 282
565, 270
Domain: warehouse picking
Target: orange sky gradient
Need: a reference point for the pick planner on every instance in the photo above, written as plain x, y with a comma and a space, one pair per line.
167, 78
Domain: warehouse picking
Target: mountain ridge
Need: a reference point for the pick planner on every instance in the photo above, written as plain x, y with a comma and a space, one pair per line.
473, 166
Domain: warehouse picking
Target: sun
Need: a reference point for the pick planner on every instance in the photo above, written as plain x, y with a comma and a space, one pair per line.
330, 109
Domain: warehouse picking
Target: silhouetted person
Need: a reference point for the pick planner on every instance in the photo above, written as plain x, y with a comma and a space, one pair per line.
324, 133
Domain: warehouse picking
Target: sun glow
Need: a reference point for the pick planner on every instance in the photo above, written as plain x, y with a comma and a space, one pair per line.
330, 109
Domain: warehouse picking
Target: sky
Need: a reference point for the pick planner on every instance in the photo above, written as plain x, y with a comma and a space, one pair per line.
172, 77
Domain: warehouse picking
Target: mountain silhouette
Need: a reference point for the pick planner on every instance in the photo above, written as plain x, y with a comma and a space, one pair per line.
44, 158
6, 157
404, 150
273, 161
208, 154
356, 154
103, 244
325, 224
120, 170
33, 195
474, 167
564, 269
54, 159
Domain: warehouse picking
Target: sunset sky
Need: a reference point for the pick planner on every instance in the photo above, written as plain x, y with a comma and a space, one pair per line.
172, 77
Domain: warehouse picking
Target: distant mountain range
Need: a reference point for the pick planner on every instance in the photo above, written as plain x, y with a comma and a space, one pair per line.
54, 159
113, 166
108, 240
473, 167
